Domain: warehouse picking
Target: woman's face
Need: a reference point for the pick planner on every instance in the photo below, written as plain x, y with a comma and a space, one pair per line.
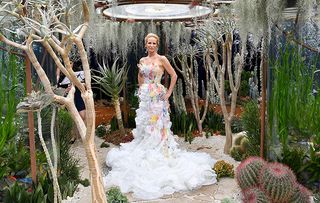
152, 45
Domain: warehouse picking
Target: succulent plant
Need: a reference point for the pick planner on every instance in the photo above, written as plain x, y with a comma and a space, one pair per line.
277, 181
248, 172
244, 145
254, 195
238, 139
300, 195
236, 153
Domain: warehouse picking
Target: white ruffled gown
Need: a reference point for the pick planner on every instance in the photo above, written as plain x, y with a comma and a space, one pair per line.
152, 165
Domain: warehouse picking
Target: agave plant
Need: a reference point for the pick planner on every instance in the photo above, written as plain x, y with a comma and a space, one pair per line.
112, 81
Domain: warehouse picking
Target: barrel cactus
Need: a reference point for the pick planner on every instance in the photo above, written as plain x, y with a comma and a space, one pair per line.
254, 195
277, 181
248, 172
300, 195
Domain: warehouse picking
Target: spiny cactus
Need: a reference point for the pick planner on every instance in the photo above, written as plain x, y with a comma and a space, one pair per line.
248, 172
244, 145
235, 152
277, 181
254, 195
238, 139
300, 195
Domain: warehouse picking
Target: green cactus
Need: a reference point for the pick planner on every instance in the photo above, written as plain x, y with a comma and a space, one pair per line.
248, 172
244, 145
277, 181
238, 139
300, 195
254, 195
236, 153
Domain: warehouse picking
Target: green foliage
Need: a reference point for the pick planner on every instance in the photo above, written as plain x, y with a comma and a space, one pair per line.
114, 195
104, 145
17, 194
244, 88
181, 122
248, 172
8, 102
15, 156
250, 119
236, 153
213, 121
294, 158
255, 195
223, 169
238, 139
69, 166
101, 131
236, 125
111, 80
227, 200
188, 137
277, 181
293, 109
114, 124
316, 197
312, 166
85, 182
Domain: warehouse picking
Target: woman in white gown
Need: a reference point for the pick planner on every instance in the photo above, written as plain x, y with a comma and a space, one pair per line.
152, 165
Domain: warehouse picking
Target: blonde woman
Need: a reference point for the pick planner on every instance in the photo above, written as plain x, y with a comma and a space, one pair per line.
152, 165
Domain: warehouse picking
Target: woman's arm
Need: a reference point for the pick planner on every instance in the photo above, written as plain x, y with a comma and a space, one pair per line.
167, 66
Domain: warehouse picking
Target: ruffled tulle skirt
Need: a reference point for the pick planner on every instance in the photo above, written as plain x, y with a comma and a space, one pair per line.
152, 165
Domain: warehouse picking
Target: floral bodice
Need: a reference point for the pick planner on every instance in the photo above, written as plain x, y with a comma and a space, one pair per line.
151, 73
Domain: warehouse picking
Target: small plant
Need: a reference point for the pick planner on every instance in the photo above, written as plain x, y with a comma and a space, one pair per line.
104, 145
236, 153
114, 195
254, 195
223, 169
101, 131
248, 171
85, 182
227, 200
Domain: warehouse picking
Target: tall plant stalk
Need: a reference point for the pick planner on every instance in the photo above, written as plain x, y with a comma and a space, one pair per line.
293, 109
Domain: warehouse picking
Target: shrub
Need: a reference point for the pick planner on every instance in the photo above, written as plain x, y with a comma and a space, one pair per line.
114, 195
101, 131
250, 120
223, 169
236, 153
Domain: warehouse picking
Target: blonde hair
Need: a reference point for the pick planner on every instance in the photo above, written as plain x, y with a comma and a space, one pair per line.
151, 35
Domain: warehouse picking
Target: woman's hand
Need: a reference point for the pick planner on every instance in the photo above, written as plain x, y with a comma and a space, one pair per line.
166, 96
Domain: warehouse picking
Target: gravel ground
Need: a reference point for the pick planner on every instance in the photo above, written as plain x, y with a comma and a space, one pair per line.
225, 188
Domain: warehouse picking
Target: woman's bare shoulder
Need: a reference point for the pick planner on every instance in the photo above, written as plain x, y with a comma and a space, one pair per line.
142, 59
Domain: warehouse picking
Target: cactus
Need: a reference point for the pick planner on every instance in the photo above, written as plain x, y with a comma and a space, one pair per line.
300, 195
248, 172
238, 139
244, 145
277, 181
254, 195
236, 153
